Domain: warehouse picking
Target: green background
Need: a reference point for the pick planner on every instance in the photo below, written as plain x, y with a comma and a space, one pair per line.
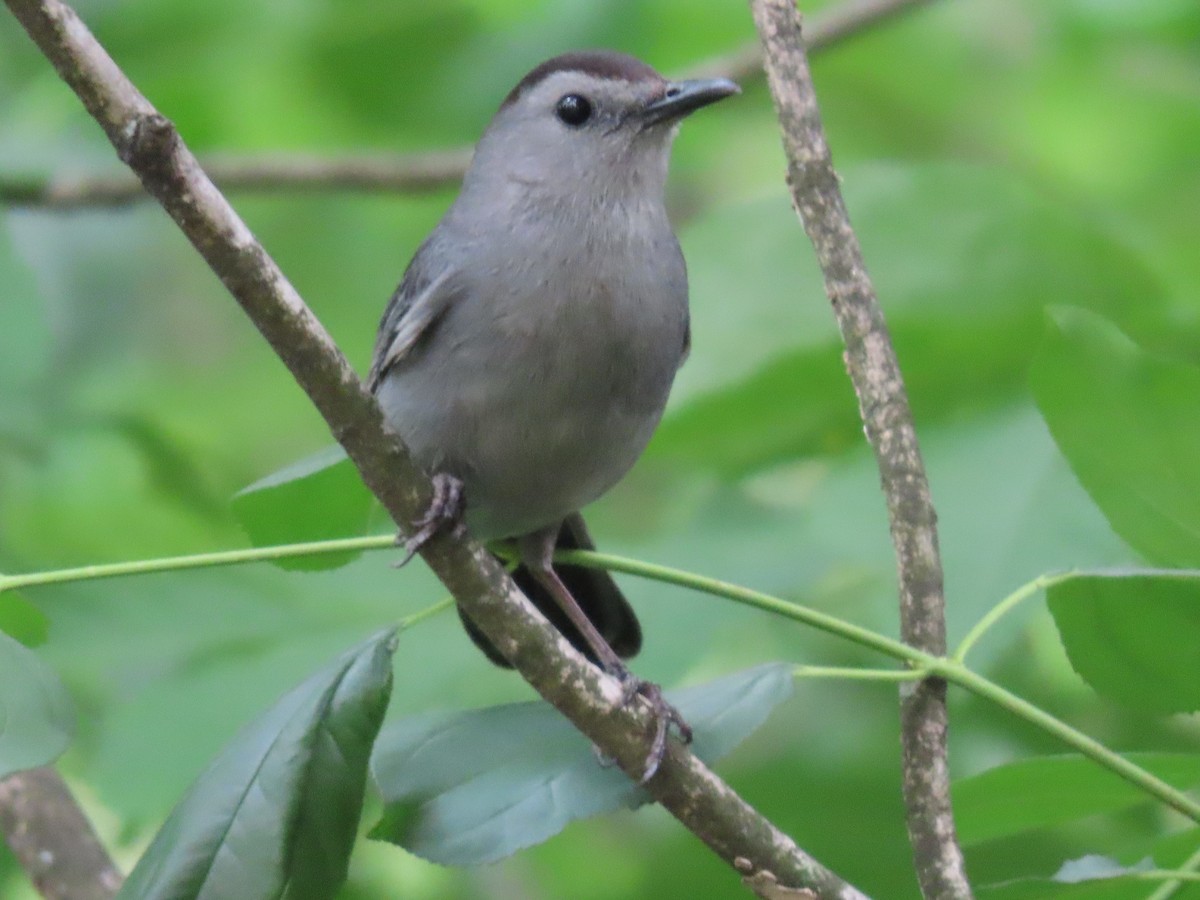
999, 158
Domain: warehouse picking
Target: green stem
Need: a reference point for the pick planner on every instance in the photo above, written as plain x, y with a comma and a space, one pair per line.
955, 672
922, 664
950, 669
853, 674
1173, 877
427, 613
1189, 871
1025, 591
822, 621
195, 561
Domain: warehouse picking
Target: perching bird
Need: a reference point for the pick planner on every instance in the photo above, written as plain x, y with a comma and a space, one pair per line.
527, 355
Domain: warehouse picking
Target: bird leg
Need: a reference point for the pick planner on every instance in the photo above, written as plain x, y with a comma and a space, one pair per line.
537, 552
445, 510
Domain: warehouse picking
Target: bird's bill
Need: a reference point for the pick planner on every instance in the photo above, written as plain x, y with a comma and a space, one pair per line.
684, 97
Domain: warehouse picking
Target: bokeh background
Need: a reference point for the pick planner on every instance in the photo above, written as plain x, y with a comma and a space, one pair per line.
998, 158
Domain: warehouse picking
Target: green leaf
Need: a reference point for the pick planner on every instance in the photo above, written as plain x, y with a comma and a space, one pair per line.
1127, 423
1051, 790
275, 814
1088, 878
475, 787
36, 716
1134, 636
1096, 877
22, 620
965, 259
318, 498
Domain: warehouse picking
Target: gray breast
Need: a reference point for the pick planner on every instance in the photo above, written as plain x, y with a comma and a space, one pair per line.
543, 383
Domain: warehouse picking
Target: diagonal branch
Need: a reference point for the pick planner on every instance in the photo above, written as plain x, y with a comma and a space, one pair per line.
52, 838
883, 402
404, 173
150, 145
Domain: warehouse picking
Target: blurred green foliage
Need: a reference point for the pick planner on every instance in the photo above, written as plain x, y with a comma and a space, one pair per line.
276, 813
476, 787
999, 157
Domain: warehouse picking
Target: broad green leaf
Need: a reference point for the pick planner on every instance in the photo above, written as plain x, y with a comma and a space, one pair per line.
1134, 636
965, 259
1087, 878
475, 787
22, 620
1038, 519
1127, 423
275, 814
227, 646
36, 716
1051, 790
318, 498
1095, 877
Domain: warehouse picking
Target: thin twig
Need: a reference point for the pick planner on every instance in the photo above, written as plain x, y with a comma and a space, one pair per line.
22, 580
415, 173
52, 838
1168, 889
828, 28
1007, 605
594, 701
883, 402
402, 173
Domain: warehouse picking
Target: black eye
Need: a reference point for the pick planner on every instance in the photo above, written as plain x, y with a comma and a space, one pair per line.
574, 110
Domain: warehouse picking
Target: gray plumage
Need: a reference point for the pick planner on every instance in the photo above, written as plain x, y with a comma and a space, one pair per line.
532, 343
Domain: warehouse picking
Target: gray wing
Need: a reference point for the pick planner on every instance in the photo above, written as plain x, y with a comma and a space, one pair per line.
414, 309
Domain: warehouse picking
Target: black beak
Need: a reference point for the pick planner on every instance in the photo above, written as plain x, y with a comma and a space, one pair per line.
684, 97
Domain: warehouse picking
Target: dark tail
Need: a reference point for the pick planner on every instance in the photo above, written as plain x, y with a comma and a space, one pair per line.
593, 589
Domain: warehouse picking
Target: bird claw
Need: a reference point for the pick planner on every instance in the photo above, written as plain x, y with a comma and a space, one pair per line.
665, 716
446, 508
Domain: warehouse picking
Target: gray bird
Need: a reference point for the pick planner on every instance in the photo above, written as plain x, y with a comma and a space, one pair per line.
527, 355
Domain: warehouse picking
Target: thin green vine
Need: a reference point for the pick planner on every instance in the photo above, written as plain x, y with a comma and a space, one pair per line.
1005, 606
944, 667
854, 674
194, 561
1189, 871
920, 664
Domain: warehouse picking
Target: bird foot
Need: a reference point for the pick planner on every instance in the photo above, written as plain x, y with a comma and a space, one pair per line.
665, 716
445, 510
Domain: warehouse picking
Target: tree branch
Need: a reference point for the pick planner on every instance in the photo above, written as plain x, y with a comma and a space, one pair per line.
150, 145
406, 173
53, 840
883, 403
415, 173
